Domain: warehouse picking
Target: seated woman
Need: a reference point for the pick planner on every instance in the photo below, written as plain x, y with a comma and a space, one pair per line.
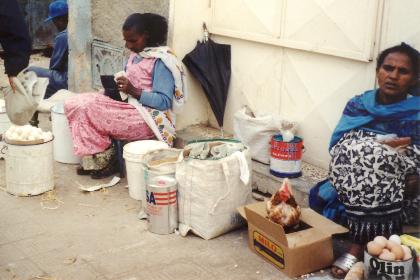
376, 155
154, 81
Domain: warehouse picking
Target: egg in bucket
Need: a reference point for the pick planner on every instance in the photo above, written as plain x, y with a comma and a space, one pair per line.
388, 259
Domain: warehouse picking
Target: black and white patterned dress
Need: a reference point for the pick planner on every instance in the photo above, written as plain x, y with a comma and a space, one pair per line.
370, 181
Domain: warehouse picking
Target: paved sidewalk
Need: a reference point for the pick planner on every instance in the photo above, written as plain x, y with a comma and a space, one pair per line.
68, 234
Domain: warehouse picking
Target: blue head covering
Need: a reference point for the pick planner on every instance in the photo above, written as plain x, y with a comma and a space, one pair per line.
57, 9
401, 118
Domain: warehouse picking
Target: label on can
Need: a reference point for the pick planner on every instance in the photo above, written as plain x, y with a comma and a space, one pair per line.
286, 150
285, 160
376, 268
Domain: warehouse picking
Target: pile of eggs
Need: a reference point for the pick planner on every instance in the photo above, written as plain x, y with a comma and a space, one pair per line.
389, 250
27, 133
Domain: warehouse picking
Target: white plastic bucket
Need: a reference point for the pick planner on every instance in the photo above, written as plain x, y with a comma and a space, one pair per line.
133, 154
63, 143
29, 169
4, 119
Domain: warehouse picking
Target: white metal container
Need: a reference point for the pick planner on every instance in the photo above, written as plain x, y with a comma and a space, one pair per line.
63, 143
29, 169
376, 268
133, 154
162, 204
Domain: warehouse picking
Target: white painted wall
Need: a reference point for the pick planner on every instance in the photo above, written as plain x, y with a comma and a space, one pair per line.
302, 85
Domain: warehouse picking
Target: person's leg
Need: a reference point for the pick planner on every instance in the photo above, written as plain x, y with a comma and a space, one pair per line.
94, 119
40, 71
369, 178
355, 250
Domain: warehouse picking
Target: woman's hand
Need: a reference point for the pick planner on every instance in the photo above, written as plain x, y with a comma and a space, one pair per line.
12, 84
399, 143
126, 86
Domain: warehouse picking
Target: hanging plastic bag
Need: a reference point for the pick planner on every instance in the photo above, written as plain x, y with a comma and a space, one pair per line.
22, 104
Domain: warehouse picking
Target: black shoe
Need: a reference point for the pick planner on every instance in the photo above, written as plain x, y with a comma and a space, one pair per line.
81, 171
111, 169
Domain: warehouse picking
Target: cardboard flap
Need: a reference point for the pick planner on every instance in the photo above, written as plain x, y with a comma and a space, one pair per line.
256, 216
323, 224
241, 210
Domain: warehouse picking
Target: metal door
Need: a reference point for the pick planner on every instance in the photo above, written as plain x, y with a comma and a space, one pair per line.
35, 12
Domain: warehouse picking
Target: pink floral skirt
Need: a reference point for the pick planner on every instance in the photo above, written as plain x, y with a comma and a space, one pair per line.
95, 118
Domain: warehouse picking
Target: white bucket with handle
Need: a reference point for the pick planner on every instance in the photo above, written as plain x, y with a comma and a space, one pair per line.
29, 168
63, 143
4, 125
4, 119
133, 154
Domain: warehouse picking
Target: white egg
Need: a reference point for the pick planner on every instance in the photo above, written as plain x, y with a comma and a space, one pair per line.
12, 129
395, 238
19, 130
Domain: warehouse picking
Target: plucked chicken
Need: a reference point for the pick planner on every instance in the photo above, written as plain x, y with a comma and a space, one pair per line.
282, 207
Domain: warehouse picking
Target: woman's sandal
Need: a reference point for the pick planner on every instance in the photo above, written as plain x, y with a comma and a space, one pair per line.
345, 262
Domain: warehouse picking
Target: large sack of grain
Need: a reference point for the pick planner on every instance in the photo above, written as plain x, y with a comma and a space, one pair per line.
214, 179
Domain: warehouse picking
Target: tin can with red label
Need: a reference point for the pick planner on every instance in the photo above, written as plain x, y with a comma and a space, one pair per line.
162, 204
286, 157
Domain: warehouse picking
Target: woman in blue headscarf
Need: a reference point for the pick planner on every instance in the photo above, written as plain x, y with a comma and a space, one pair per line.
375, 151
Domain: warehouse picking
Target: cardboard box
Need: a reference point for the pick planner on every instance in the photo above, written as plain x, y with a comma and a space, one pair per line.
295, 253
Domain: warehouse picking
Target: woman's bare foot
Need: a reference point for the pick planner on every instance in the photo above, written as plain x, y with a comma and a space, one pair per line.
355, 250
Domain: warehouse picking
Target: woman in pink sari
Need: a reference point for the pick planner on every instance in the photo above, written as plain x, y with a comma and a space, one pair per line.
154, 83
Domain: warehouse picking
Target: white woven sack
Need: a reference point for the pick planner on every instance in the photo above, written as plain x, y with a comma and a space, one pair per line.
255, 132
209, 193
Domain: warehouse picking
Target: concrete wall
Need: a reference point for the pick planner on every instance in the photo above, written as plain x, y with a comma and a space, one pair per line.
99, 19
302, 85
108, 16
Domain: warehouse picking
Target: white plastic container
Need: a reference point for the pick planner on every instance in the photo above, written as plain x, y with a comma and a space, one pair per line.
133, 154
29, 169
4, 120
63, 143
4, 126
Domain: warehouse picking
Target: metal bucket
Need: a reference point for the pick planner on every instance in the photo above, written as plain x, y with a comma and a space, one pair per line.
286, 157
376, 268
162, 204
29, 169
